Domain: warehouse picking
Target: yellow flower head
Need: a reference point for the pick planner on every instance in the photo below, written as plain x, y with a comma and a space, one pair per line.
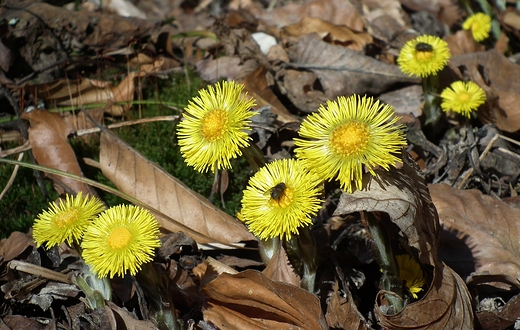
214, 126
479, 24
280, 197
462, 97
122, 238
66, 220
339, 139
411, 273
424, 56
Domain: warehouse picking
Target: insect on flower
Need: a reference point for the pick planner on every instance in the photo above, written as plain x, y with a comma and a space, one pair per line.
277, 192
423, 47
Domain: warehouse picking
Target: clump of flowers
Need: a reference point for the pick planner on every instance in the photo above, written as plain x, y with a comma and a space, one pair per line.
66, 221
424, 56
462, 97
281, 197
479, 24
341, 138
121, 239
411, 273
215, 126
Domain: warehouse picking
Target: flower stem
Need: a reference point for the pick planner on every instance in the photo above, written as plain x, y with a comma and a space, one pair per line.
254, 156
390, 280
431, 101
302, 252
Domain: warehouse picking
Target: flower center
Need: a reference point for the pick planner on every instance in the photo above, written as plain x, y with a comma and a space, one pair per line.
350, 138
213, 124
475, 26
64, 219
423, 56
119, 238
281, 198
464, 97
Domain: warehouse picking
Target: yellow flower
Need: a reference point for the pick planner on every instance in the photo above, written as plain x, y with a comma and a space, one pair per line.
424, 56
411, 273
280, 197
214, 126
121, 239
66, 220
479, 24
462, 97
346, 135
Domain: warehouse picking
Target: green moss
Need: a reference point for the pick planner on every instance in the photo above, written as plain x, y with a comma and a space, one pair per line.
23, 202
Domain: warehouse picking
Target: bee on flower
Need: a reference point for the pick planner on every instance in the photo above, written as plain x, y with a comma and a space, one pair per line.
424, 56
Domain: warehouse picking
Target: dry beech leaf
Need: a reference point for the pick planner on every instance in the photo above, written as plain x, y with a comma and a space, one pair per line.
481, 233
462, 42
70, 93
125, 320
342, 312
339, 71
446, 305
249, 300
280, 269
51, 148
335, 12
135, 175
13, 246
335, 34
498, 77
258, 88
403, 195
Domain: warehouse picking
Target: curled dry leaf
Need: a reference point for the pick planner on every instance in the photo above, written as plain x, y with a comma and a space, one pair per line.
280, 269
403, 195
249, 300
498, 77
446, 305
335, 34
51, 148
481, 233
337, 71
70, 93
342, 312
136, 176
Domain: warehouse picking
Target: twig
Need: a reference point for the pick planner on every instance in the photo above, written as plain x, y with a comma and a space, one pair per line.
11, 179
471, 170
43, 272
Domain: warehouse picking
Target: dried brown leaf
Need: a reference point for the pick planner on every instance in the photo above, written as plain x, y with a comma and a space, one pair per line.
280, 269
257, 86
133, 174
335, 34
497, 76
125, 320
481, 232
13, 246
403, 195
51, 148
342, 312
335, 12
338, 71
446, 305
462, 42
249, 300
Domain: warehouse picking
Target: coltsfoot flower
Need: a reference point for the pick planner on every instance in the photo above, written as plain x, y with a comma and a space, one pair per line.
215, 126
66, 221
424, 56
281, 197
479, 24
121, 239
411, 273
462, 97
338, 140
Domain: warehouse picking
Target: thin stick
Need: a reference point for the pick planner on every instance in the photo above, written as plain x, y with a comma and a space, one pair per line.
471, 170
13, 176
